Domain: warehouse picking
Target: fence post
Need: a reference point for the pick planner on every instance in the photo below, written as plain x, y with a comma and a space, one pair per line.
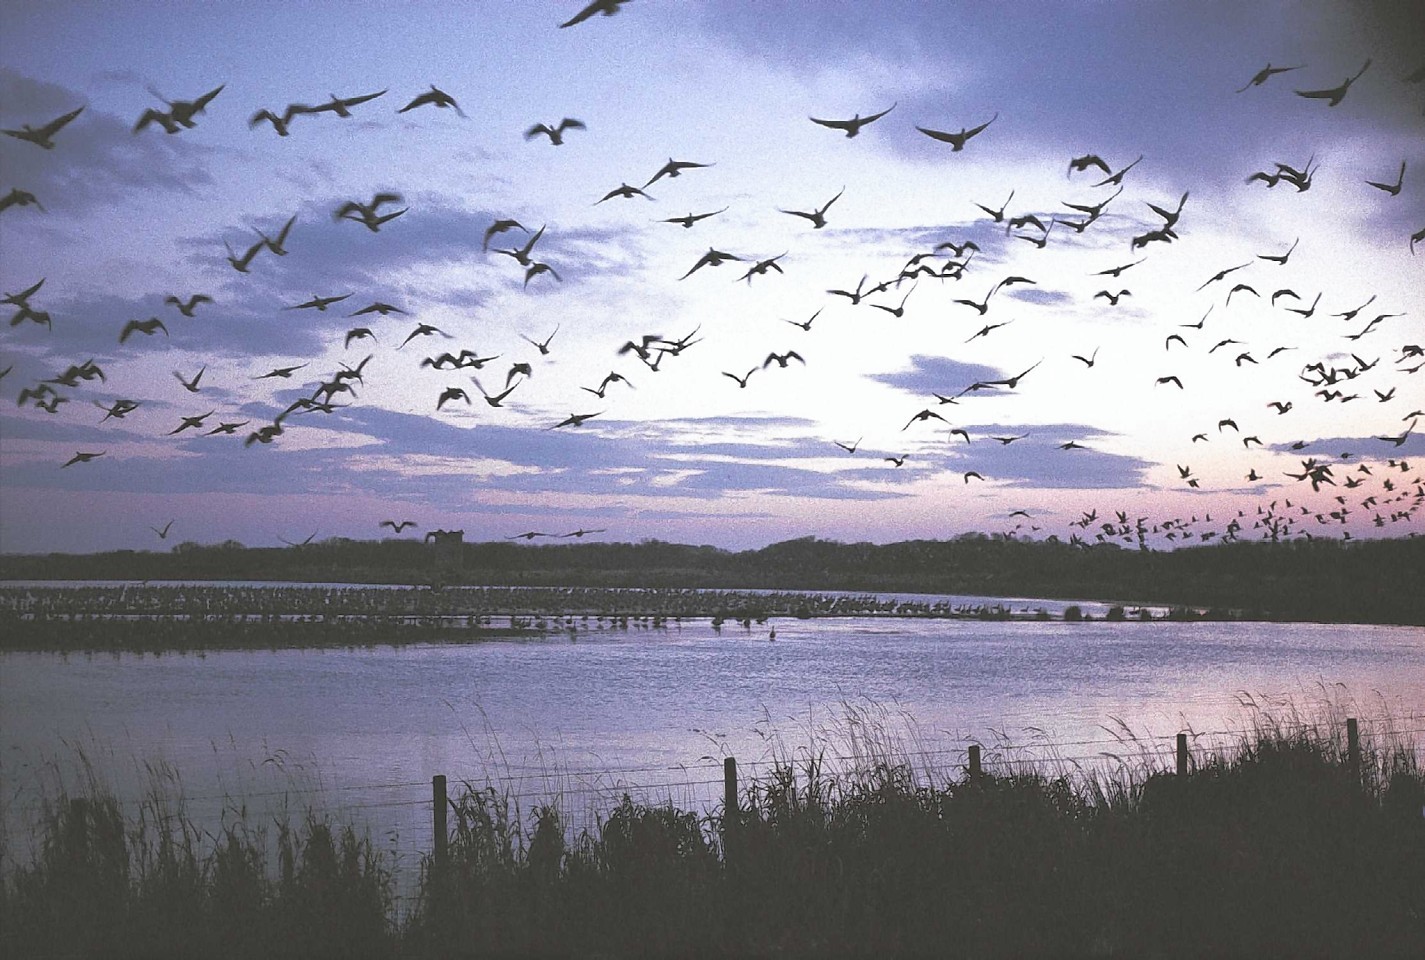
975, 761
1182, 755
729, 791
442, 835
1353, 749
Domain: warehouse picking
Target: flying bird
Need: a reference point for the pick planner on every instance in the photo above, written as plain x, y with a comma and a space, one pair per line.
692, 218
1391, 188
606, 7
957, 140
452, 393
625, 191
1117, 178
20, 198
849, 447
500, 226
818, 216
358, 333
317, 303
147, 327
541, 345
674, 168
556, 132
1335, 95
190, 385
86, 457
424, 330
853, 126
397, 525
574, 420
41, 136
163, 531
186, 307
713, 258
782, 359
1264, 74
1080, 164
434, 97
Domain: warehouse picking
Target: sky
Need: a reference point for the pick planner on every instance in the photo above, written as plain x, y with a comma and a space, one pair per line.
1274, 392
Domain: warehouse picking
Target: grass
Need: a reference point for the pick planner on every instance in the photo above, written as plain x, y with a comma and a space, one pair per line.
1270, 847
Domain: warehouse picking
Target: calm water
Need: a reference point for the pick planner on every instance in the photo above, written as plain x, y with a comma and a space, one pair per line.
364, 730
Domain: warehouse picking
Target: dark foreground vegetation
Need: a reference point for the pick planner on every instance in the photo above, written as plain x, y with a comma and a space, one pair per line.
1330, 580
1275, 849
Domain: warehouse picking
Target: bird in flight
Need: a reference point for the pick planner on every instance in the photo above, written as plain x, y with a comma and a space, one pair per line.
1117, 178
1391, 188
674, 168
366, 213
1335, 95
398, 525
281, 373
849, 447
423, 330
853, 126
541, 345
435, 97
317, 303
574, 420
1266, 73
180, 113
782, 359
241, 264
625, 191
606, 7
1113, 298
186, 307
581, 532
452, 393
742, 380
163, 531
41, 136
118, 410
1280, 260
190, 385
556, 132
996, 215
1080, 164
20, 198
147, 327
692, 218
497, 399
923, 416
500, 226
818, 216
86, 457
761, 267
957, 140
713, 258
1090, 360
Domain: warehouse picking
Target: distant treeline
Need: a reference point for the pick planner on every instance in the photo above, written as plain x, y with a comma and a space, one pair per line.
1374, 581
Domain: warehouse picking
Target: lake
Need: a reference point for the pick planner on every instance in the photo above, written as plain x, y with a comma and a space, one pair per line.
360, 732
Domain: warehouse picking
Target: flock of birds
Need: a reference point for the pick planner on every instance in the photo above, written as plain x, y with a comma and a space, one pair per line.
1389, 491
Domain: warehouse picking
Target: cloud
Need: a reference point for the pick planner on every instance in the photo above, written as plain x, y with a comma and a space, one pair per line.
96, 161
936, 375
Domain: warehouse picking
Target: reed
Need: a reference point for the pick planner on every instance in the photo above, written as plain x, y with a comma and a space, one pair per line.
1269, 846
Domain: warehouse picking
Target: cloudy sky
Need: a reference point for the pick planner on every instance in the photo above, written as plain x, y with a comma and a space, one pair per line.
688, 446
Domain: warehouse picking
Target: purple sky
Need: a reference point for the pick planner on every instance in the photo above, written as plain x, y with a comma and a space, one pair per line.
684, 452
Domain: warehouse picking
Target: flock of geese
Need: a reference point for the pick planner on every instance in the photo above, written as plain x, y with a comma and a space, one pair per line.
1387, 491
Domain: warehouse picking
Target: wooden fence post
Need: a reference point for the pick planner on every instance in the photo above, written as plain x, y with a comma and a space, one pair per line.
1182, 755
974, 766
442, 835
729, 791
1353, 749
